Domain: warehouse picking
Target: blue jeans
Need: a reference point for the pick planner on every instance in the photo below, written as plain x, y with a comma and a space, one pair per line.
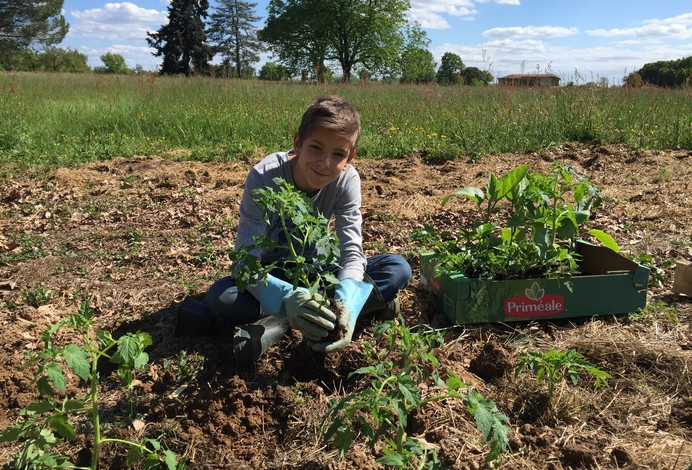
389, 274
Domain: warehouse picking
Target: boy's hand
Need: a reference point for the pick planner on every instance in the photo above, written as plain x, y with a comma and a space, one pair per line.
309, 314
350, 296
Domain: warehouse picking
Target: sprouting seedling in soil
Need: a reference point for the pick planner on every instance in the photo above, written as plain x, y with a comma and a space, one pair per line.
555, 366
381, 411
49, 421
309, 246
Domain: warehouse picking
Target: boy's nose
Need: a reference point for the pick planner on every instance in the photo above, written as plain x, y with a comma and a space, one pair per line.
323, 161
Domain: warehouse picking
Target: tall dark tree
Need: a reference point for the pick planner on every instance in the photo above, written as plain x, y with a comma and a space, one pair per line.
183, 42
30, 23
350, 32
451, 69
232, 34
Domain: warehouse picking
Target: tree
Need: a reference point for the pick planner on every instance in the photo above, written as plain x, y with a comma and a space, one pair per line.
308, 33
451, 69
113, 63
417, 62
30, 22
476, 76
56, 59
293, 33
273, 71
633, 80
232, 33
182, 42
668, 73
418, 66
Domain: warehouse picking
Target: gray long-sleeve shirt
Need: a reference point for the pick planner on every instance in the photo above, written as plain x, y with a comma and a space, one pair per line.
340, 199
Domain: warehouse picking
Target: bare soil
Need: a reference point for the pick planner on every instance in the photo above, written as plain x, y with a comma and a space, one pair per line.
138, 235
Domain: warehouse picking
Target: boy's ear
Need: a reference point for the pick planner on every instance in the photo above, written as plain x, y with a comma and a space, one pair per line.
352, 156
296, 143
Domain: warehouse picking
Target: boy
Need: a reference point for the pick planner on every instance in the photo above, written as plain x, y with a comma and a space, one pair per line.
318, 165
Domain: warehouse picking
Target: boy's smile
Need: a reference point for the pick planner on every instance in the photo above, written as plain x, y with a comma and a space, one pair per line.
320, 158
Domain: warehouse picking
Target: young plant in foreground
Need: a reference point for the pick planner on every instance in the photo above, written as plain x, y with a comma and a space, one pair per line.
49, 421
555, 366
380, 412
309, 245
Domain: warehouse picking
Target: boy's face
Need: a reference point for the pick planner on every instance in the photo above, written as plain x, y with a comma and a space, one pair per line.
320, 158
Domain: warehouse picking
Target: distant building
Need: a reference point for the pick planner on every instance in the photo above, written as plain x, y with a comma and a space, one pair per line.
529, 79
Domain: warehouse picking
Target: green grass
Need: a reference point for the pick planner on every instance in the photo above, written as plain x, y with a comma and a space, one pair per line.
66, 119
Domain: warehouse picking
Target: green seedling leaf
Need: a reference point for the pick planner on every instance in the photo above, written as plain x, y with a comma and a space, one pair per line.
471, 192
392, 459
170, 460
38, 407
343, 439
501, 187
490, 422
77, 360
55, 375
44, 387
605, 239
72, 405
129, 347
64, 429
16, 431
134, 455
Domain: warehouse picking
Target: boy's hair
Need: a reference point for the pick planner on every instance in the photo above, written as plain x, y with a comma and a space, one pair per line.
332, 113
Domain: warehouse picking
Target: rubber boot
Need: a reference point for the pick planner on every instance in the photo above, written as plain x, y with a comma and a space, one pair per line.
253, 339
194, 318
376, 306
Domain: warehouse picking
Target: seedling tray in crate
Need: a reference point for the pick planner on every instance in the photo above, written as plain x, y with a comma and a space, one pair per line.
608, 283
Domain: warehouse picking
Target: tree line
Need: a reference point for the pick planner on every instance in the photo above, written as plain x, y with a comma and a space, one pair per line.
307, 38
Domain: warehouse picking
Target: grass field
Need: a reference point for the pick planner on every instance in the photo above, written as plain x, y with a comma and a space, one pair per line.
67, 119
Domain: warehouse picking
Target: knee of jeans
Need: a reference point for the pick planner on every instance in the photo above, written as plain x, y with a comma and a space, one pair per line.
400, 271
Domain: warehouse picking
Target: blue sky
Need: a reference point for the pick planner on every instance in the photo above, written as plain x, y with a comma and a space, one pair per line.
579, 40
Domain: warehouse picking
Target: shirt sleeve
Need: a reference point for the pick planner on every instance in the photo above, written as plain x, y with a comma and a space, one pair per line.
250, 222
348, 221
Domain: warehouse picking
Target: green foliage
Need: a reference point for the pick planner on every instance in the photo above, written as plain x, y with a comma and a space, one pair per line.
538, 237
306, 33
555, 366
113, 63
476, 76
668, 73
381, 411
30, 22
309, 244
451, 69
232, 33
48, 422
272, 71
183, 42
417, 66
37, 296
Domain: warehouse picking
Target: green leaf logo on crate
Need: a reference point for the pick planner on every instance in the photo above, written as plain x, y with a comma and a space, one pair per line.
535, 303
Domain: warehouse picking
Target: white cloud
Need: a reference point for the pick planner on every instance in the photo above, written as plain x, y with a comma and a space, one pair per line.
678, 27
430, 13
119, 21
530, 32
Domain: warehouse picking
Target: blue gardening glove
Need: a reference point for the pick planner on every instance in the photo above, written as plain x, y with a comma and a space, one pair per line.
350, 296
304, 313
